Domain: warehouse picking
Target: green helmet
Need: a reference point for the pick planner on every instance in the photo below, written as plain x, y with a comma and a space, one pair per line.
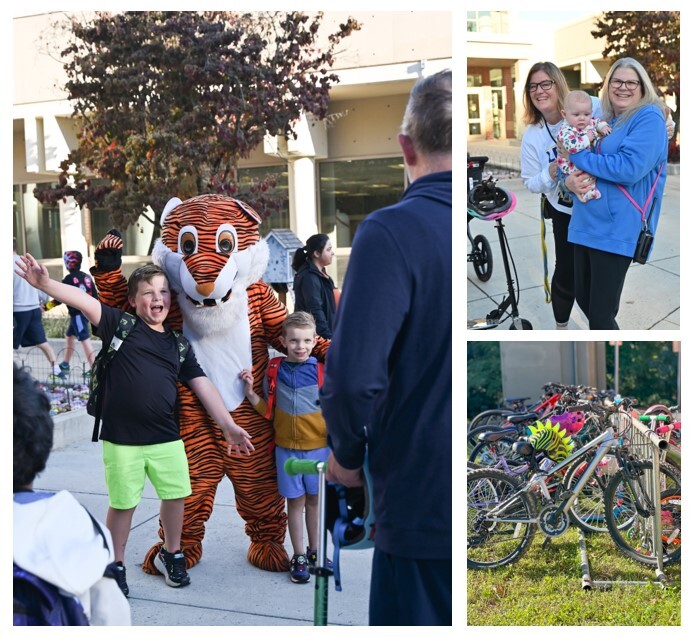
551, 439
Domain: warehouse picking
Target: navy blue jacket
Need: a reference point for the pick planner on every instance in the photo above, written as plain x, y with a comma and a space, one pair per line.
389, 368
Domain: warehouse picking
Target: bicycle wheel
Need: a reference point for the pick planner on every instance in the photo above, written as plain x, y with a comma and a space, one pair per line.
587, 511
633, 533
488, 453
498, 530
483, 266
671, 522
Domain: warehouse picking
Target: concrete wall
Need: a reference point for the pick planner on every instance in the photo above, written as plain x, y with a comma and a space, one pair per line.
366, 127
527, 366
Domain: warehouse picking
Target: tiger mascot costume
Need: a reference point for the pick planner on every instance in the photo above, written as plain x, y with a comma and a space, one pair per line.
212, 254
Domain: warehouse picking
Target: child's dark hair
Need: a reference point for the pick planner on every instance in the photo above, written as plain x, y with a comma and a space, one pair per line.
144, 273
32, 429
315, 243
298, 319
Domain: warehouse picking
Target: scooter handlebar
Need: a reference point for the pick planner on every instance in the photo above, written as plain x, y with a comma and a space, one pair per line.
296, 466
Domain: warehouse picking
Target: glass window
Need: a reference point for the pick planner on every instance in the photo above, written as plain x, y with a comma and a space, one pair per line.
486, 21
496, 77
350, 190
279, 218
40, 234
474, 80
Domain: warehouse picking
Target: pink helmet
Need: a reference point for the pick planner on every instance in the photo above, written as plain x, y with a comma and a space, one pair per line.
570, 422
488, 201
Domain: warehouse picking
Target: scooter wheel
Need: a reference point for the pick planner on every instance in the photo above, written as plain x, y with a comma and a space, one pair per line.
525, 325
483, 266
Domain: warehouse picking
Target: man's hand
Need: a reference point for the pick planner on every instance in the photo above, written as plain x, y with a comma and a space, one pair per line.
347, 477
109, 252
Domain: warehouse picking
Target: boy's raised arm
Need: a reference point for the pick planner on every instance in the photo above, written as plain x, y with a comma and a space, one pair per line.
37, 275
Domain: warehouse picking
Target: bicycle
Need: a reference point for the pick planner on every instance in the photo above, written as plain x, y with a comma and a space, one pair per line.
552, 392
503, 513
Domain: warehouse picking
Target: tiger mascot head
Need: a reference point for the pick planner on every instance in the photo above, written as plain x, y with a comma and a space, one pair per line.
211, 252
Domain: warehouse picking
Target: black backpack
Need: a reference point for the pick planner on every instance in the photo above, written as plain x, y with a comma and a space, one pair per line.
102, 361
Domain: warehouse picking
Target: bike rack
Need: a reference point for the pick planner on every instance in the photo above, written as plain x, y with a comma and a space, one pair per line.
649, 447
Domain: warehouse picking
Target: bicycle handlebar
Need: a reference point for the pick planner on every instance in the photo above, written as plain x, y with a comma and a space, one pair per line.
657, 418
664, 429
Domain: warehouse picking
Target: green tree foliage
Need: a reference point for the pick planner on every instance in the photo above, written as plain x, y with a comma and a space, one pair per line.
483, 376
648, 371
168, 102
653, 39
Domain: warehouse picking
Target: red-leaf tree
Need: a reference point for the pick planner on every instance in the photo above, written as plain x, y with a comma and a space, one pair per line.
169, 102
650, 37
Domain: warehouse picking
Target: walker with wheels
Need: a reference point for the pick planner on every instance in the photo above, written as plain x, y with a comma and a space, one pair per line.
488, 202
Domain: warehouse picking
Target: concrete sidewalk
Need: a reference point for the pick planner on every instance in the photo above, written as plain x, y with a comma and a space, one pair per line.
651, 296
225, 589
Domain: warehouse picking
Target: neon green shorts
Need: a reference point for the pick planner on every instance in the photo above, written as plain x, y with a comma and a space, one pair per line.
127, 466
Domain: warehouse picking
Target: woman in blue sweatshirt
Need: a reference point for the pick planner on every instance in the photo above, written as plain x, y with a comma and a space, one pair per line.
633, 157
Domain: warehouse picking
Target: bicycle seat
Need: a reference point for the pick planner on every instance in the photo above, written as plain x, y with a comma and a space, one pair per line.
494, 436
523, 448
519, 418
488, 202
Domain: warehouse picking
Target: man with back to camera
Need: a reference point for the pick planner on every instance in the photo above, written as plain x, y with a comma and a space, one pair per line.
388, 377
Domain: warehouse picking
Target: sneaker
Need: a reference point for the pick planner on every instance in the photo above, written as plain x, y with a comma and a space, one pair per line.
312, 559
64, 370
299, 569
172, 567
120, 578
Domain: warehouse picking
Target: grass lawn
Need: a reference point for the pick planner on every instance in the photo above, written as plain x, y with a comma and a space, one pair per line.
544, 588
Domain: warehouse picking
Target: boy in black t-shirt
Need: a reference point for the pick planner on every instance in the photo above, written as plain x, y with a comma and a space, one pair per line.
140, 432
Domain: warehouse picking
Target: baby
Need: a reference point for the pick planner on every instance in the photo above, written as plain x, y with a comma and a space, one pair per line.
577, 133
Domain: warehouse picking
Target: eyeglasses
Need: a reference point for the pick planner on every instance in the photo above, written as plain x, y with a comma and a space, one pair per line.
630, 85
546, 86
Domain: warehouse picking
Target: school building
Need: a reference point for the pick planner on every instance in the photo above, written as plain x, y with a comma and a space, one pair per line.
500, 52
332, 175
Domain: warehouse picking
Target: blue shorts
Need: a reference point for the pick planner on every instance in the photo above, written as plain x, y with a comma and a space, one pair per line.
297, 486
28, 329
78, 327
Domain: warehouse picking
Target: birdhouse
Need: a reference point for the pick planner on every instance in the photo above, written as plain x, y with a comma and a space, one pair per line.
282, 245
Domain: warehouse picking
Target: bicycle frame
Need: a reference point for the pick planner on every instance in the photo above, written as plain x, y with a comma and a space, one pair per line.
603, 443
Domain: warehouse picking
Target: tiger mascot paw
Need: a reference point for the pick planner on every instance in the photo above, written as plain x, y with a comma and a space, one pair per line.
269, 556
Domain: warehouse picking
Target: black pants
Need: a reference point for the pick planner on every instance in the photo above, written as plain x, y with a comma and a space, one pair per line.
562, 284
599, 279
408, 592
